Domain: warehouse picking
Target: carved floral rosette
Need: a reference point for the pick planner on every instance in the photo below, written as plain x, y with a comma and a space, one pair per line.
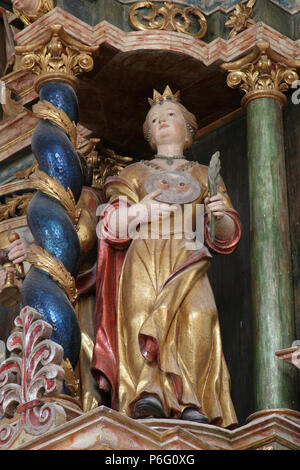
31, 371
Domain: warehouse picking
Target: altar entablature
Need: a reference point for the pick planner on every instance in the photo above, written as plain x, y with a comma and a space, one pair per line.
200, 64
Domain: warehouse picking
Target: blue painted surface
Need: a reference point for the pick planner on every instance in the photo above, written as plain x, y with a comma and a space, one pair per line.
50, 300
50, 223
57, 156
63, 96
54, 231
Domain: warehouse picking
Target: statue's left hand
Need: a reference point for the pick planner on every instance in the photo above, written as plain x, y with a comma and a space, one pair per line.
18, 251
215, 205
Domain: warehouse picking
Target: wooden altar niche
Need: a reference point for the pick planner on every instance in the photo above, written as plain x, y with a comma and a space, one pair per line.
127, 78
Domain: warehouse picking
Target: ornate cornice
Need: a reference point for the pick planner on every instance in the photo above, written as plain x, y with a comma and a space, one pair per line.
44, 6
58, 56
262, 73
129, 41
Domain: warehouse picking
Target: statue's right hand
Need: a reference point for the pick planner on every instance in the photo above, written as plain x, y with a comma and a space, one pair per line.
154, 209
18, 250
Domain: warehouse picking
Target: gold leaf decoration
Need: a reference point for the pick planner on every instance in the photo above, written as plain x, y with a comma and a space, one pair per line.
43, 260
15, 206
168, 17
43, 7
46, 110
105, 162
263, 72
241, 18
52, 187
70, 379
58, 56
26, 172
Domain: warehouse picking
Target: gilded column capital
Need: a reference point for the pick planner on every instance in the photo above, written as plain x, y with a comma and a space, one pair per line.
31, 10
262, 73
57, 57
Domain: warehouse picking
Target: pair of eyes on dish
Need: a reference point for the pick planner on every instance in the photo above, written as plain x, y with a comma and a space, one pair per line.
164, 184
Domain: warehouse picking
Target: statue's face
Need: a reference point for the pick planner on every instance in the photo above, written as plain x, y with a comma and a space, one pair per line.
26, 5
167, 124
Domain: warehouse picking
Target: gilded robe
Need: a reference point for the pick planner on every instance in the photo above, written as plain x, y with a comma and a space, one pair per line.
157, 323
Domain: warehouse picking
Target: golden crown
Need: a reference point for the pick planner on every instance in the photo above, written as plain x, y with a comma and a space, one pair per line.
166, 96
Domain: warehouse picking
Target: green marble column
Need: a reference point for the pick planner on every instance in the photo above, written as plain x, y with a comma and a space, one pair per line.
270, 255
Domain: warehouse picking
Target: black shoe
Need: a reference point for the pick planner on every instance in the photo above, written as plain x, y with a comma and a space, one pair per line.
148, 407
191, 414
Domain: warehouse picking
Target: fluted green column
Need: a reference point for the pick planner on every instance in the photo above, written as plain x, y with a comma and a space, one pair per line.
270, 255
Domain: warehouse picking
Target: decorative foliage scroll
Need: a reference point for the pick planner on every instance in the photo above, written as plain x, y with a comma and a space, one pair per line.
241, 18
104, 162
32, 370
168, 17
15, 205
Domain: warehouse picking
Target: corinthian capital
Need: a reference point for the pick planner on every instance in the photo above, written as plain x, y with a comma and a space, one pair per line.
262, 73
57, 57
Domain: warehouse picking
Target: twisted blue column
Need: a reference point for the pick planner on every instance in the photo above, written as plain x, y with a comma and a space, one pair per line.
50, 223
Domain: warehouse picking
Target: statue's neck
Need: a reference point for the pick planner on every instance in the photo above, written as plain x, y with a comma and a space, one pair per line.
169, 150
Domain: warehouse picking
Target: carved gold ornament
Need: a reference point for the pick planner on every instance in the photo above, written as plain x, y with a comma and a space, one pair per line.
46, 110
43, 7
70, 379
104, 162
15, 205
168, 17
262, 73
57, 57
241, 18
52, 187
44, 261
26, 172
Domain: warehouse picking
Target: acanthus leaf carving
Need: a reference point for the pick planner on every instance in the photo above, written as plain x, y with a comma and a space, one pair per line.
32, 370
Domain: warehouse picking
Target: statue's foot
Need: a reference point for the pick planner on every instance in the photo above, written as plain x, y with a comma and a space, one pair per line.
148, 407
191, 414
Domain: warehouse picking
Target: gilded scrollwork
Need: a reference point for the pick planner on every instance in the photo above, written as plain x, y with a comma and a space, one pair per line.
58, 56
28, 17
240, 19
262, 73
44, 261
168, 17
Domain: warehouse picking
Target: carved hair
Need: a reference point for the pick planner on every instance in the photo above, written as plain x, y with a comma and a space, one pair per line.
190, 120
